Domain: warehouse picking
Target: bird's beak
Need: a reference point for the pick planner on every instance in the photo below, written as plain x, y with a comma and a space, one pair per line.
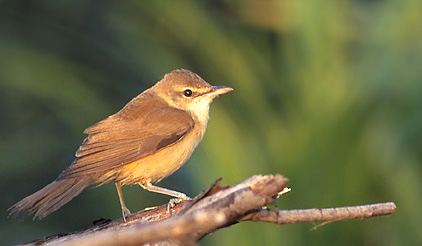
218, 90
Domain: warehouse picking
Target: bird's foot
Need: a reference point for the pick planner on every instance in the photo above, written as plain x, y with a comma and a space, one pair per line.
125, 213
172, 203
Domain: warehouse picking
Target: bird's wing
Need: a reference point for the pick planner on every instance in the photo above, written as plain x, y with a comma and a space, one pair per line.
120, 139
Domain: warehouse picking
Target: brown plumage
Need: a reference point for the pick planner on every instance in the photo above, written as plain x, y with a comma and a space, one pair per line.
149, 139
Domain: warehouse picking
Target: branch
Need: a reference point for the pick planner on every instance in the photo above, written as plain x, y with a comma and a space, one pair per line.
215, 208
325, 214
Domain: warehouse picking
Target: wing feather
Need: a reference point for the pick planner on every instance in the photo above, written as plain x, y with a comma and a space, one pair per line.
120, 140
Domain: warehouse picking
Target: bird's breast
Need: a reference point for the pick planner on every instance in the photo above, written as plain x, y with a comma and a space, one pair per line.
162, 163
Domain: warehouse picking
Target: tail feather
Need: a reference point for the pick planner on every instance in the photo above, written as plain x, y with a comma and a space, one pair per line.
50, 198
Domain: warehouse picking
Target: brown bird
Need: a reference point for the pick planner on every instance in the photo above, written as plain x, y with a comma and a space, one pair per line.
146, 141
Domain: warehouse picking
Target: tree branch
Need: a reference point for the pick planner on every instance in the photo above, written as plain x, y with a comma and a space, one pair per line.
325, 214
216, 207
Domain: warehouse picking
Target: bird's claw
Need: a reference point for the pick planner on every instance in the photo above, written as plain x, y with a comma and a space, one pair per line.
125, 213
172, 203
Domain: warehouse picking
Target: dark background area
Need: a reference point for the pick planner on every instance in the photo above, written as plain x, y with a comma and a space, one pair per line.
327, 93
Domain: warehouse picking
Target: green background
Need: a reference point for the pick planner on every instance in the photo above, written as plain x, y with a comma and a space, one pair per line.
327, 93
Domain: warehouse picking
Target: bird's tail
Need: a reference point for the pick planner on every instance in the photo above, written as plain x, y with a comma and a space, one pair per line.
50, 198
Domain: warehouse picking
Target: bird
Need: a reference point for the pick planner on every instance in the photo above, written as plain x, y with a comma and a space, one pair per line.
150, 138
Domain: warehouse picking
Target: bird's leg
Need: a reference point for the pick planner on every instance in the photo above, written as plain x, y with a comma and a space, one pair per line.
150, 187
179, 195
125, 210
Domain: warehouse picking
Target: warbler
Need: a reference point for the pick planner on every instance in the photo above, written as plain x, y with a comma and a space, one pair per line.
147, 140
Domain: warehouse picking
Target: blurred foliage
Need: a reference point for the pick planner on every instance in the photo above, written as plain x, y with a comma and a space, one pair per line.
328, 93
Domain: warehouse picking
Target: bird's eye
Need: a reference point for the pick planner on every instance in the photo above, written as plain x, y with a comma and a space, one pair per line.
187, 93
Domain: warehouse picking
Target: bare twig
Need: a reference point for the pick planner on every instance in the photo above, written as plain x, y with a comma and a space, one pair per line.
325, 214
